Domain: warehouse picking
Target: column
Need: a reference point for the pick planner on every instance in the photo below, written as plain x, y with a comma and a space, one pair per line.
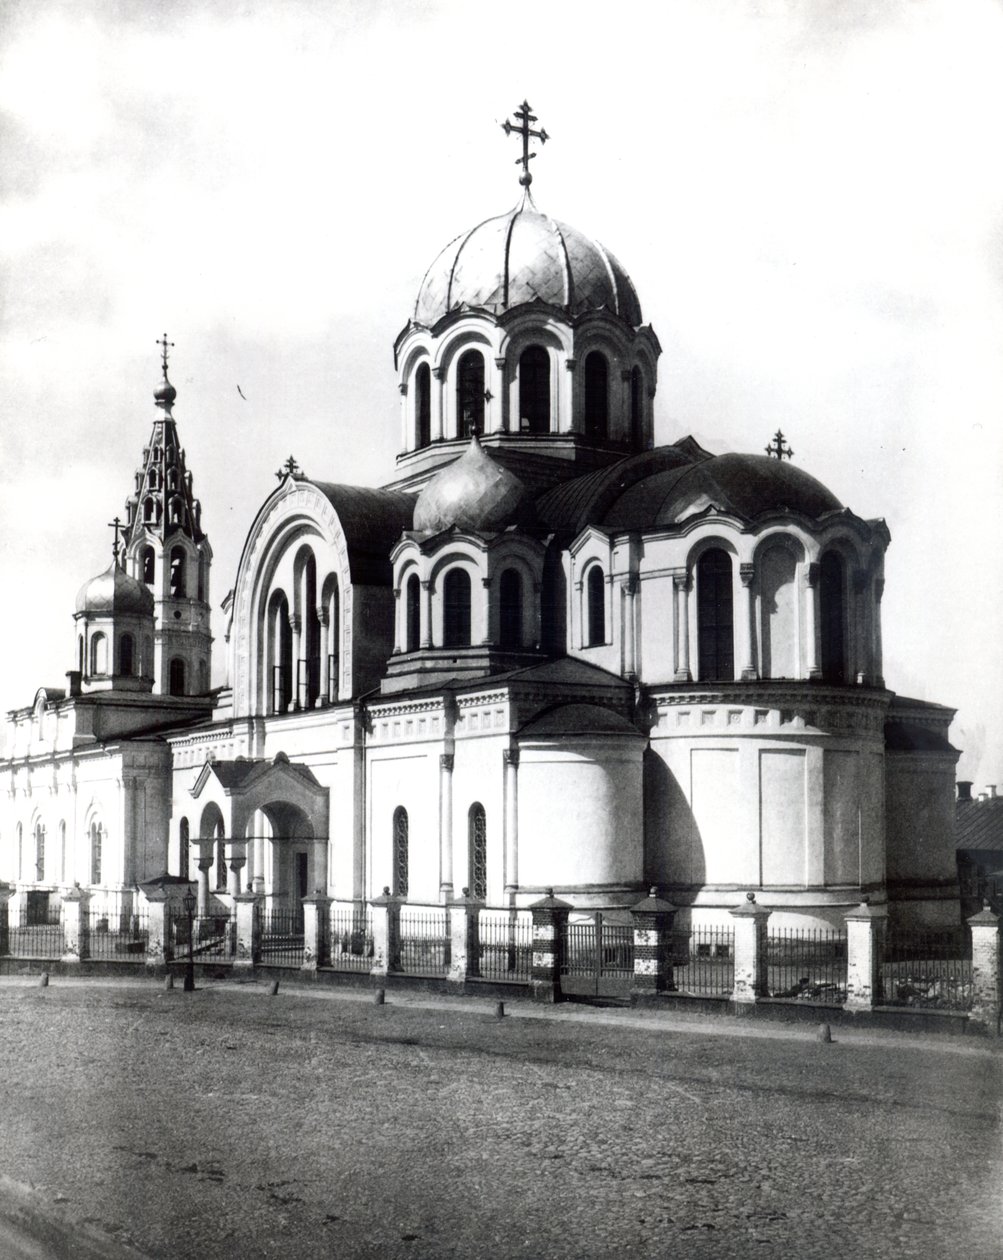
75, 918
812, 573
877, 649
296, 629
446, 826
246, 910
510, 823
259, 862
865, 933
861, 646
498, 386
464, 938
386, 934
316, 932
436, 400
750, 922
681, 584
205, 866
325, 651
566, 418
653, 920
425, 613
236, 858
320, 865
629, 589
550, 926
985, 928
746, 639
407, 443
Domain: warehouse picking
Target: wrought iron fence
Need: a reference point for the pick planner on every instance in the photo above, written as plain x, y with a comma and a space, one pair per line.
424, 940
213, 936
808, 964
351, 938
281, 937
703, 960
118, 937
39, 940
505, 939
927, 968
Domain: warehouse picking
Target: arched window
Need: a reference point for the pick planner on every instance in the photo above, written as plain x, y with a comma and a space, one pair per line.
279, 659
636, 408
126, 655
510, 608
833, 617
178, 572
99, 654
201, 577
176, 681
184, 861
534, 390
456, 609
149, 510
333, 640
715, 617
220, 857
40, 851
412, 612
596, 395
97, 843
423, 405
477, 852
595, 592
148, 561
779, 625
308, 667
400, 841
470, 393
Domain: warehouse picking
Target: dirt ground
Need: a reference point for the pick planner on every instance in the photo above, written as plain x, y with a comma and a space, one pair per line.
232, 1123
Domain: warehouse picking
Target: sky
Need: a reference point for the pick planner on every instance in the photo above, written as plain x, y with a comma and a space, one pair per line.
807, 194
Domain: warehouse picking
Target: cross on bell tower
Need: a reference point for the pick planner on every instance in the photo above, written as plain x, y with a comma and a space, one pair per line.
164, 344
523, 129
778, 448
117, 526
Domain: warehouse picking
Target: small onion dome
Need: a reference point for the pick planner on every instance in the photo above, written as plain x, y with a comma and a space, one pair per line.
115, 592
165, 393
525, 256
474, 492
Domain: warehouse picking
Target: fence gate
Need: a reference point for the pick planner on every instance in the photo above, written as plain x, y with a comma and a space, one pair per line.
598, 958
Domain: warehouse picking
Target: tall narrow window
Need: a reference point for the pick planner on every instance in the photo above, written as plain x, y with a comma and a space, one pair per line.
148, 561
596, 395
126, 655
184, 860
595, 592
39, 851
534, 390
400, 857
178, 572
510, 608
456, 609
220, 859
62, 852
779, 613
97, 843
715, 617
833, 618
470, 393
636, 408
477, 852
423, 405
176, 681
412, 611
99, 654
308, 668
201, 577
333, 641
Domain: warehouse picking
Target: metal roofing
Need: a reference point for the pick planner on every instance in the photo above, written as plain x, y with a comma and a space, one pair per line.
979, 824
913, 737
578, 719
373, 520
114, 591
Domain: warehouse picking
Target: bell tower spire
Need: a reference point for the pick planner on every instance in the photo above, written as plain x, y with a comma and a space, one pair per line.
165, 547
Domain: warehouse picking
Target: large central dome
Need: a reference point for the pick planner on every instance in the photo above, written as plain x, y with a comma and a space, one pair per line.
520, 257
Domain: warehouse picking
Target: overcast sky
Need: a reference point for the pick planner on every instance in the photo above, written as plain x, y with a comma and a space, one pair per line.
807, 195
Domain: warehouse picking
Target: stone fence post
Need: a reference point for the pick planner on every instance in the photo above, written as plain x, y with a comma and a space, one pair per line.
158, 948
464, 938
386, 933
865, 938
751, 980
653, 920
550, 931
316, 932
76, 924
248, 925
985, 928
6, 892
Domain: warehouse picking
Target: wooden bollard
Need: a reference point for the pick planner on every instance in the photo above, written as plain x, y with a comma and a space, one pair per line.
273, 988
500, 1011
43, 980
824, 1032
380, 996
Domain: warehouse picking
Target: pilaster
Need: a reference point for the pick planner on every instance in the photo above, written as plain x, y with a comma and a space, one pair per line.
750, 922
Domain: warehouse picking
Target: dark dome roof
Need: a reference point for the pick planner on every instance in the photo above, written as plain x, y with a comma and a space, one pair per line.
525, 256
742, 485
473, 492
114, 591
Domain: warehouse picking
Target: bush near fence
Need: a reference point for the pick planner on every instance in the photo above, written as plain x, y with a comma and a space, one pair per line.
928, 969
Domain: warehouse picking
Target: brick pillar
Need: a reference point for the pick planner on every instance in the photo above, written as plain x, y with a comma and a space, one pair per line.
750, 923
865, 936
386, 933
316, 932
248, 928
550, 926
653, 919
76, 924
464, 938
985, 928
158, 948
6, 892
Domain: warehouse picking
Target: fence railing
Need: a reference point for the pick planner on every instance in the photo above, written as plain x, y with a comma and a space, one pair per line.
281, 937
117, 937
924, 968
808, 964
351, 939
703, 961
505, 944
213, 937
40, 940
424, 940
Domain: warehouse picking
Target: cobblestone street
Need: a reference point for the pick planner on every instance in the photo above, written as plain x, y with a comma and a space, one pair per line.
316, 1123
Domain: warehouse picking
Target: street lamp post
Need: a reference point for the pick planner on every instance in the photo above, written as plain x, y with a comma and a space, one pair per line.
188, 901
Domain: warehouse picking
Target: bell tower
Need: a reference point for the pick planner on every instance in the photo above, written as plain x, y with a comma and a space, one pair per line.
166, 549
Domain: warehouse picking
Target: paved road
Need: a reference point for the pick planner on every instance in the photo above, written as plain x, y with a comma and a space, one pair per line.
229, 1123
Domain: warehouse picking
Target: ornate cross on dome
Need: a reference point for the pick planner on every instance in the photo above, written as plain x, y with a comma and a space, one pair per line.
289, 468
116, 525
778, 449
164, 343
523, 129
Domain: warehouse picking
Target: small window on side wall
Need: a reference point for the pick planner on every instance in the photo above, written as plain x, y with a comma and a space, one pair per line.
456, 609
596, 395
423, 406
470, 394
534, 390
595, 595
176, 681
412, 613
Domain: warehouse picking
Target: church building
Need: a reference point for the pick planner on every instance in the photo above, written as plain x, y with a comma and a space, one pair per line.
546, 654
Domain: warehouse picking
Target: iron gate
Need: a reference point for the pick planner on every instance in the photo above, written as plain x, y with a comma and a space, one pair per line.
598, 958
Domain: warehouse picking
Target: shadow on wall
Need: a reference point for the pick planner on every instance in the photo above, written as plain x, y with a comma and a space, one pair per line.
673, 846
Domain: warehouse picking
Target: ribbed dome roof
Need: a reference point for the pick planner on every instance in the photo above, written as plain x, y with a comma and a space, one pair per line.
473, 492
115, 592
522, 256
744, 485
